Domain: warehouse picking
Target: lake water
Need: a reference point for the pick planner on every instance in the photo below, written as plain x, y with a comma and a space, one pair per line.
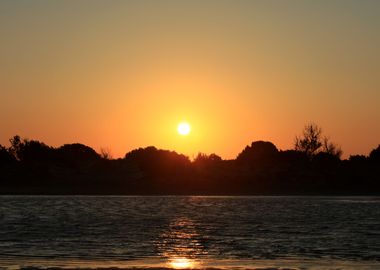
190, 232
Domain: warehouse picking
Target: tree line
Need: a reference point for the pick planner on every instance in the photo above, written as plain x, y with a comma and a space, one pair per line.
313, 167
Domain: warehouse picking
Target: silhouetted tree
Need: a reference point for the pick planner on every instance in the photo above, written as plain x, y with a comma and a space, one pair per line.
30, 166
158, 162
375, 154
357, 159
204, 158
77, 154
331, 148
35, 151
29, 150
203, 161
16, 147
311, 142
325, 159
293, 158
105, 153
5, 156
259, 153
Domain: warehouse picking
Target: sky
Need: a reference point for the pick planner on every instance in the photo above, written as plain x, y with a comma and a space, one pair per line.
120, 75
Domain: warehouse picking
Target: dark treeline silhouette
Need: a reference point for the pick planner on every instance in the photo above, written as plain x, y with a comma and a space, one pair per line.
313, 167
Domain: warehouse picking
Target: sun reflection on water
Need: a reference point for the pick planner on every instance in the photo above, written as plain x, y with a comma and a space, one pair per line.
181, 245
181, 263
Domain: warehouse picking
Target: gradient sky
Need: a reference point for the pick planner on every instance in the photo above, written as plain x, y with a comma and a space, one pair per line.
122, 74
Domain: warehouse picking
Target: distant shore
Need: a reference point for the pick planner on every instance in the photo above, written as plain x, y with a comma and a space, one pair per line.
32, 168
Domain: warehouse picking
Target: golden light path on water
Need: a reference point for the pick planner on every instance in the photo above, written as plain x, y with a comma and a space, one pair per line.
180, 244
182, 263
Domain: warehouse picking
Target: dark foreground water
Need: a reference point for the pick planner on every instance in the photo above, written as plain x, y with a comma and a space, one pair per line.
190, 232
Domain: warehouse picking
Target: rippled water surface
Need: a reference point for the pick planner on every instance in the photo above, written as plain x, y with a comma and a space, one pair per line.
190, 232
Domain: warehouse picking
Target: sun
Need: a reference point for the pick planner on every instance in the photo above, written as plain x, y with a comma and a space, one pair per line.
183, 128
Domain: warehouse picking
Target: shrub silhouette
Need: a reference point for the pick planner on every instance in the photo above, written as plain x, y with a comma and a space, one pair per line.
314, 167
375, 154
155, 161
30, 150
76, 154
258, 154
5, 156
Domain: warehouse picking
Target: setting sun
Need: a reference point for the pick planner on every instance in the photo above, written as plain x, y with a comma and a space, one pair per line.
190, 135
183, 128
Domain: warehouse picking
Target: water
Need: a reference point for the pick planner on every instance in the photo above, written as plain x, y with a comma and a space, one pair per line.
190, 232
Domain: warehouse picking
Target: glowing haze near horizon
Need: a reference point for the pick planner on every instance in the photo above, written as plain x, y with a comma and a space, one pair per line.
123, 74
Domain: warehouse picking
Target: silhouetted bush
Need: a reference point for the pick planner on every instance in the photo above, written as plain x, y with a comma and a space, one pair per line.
259, 154
76, 154
315, 167
375, 154
205, 161
5, 156
155, 161
26, 150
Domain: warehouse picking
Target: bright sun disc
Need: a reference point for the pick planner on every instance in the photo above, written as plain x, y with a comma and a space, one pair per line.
183, 128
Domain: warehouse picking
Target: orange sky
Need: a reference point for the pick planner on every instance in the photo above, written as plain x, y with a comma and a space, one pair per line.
123, 74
